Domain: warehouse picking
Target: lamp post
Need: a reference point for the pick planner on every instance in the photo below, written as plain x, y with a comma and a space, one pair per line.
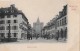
9, 34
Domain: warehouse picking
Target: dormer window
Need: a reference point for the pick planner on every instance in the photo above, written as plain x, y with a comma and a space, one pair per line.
8, 16
7, 11
15, 15
11, 11
2, 16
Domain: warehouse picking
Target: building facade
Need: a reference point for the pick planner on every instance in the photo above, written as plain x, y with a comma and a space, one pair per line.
57, 27
13, 23
62, 24
37, 26
50, 29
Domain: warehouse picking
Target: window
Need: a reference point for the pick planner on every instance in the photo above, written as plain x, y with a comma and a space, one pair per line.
15, 27
15, 16
65, 35
15, 21
15, 34
8, 16
60, 23
8, 21
2, 16
2, 22
7, 11
2, 34
2, 28
65, 20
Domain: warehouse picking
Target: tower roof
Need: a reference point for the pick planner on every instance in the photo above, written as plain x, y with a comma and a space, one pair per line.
38, 21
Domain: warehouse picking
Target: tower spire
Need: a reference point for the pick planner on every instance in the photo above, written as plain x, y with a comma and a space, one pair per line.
38, 20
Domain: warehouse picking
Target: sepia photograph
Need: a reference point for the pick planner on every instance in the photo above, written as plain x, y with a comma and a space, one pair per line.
21, 23
39, 25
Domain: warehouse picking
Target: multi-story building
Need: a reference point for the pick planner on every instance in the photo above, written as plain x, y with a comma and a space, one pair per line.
57, 27
50, 29
13, 24
62, 24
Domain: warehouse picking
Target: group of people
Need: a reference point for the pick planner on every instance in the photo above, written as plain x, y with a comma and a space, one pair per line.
29, 36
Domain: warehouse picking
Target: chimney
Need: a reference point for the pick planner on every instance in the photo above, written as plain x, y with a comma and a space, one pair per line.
13, 5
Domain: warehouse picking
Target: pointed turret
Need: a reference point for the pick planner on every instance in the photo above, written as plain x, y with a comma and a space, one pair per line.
38, 21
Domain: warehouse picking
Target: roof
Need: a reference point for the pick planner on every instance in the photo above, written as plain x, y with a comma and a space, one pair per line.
12, 10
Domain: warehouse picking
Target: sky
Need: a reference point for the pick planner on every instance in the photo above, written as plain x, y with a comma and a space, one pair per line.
44, 9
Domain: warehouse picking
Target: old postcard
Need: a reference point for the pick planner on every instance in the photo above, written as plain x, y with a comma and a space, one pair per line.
39, 25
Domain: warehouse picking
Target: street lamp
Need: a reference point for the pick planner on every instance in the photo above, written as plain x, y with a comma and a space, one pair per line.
9, 34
